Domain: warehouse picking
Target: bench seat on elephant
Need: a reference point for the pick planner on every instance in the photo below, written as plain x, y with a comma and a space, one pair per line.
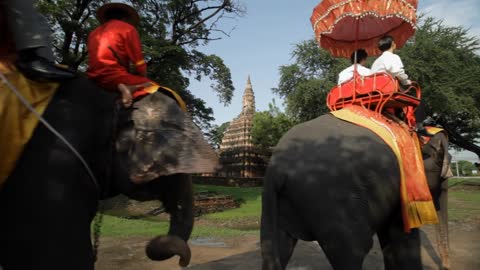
379, 89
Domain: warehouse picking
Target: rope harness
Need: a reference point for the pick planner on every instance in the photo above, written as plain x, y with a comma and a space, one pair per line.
99, 217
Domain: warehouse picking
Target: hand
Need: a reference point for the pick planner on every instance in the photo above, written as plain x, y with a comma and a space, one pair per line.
126, 95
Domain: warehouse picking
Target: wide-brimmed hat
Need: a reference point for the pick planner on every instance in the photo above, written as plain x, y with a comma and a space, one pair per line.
132, 13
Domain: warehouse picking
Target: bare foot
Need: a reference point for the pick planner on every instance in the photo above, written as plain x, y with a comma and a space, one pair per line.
126, 95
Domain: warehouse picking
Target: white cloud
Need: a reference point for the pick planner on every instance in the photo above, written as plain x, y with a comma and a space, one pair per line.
455, 13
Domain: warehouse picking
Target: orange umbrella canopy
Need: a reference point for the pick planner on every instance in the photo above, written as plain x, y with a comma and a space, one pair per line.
342, 26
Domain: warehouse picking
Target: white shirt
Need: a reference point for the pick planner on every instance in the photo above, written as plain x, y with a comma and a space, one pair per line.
391, 63
347, 73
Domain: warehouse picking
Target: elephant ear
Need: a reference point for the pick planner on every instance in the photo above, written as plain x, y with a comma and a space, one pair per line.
440, 144
125, 132
124, 139
447, 158
161, 139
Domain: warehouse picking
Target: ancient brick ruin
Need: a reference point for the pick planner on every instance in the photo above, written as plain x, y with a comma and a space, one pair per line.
238, 155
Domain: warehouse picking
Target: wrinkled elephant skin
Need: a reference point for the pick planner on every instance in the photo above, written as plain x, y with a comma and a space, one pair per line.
338, 184
48, 202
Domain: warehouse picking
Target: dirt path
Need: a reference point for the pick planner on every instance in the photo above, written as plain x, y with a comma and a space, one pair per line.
243, 253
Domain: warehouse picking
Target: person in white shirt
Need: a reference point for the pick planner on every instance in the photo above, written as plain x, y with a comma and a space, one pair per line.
390, 62
347, 73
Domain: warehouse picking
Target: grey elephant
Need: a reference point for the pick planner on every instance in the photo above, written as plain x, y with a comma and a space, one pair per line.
336, 183
48, 202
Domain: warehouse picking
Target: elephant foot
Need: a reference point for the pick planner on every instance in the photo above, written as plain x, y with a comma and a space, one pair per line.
164, 247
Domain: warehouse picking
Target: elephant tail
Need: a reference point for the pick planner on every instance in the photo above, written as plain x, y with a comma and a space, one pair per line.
269, 221
164, 247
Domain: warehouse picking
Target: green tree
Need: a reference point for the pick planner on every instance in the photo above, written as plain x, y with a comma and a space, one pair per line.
171, 33
304, 85
216, 133
268, 127
465, 167
442, 59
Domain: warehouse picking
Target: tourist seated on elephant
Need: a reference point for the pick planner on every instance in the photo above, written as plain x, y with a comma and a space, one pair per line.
347, 73
390, 62
113, 47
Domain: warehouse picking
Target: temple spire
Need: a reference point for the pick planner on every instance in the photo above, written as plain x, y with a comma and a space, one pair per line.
238, 155
248, 103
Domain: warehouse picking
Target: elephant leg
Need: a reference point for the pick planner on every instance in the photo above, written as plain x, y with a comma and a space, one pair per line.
400, 250
286, 245
346, 248
48, 216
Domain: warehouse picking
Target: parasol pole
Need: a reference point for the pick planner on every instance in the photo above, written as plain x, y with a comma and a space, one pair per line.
357, 30
357, 26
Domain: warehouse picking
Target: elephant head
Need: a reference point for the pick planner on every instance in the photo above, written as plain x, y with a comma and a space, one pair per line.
174, 191
157, 139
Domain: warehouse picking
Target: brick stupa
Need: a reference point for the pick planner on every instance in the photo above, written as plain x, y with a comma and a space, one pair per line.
238, 155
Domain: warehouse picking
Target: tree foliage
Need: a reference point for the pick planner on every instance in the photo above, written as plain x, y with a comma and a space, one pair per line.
465, 168
305, 84
444, 60
441, 58
216, 133
269, 126
171, 33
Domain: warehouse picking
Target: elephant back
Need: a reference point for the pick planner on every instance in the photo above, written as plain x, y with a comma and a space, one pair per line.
17, 121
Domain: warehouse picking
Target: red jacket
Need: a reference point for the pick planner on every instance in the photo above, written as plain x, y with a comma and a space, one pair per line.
112, 47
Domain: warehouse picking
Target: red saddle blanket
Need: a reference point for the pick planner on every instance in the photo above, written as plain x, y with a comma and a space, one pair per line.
416, 200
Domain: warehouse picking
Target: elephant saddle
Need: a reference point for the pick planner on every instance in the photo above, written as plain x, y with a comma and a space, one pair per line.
415, 196
17, 122
377, 92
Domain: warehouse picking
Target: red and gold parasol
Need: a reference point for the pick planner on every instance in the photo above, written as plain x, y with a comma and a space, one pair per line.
342, 26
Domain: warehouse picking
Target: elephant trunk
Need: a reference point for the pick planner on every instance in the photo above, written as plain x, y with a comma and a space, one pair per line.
441, 229
176, 193
164, 247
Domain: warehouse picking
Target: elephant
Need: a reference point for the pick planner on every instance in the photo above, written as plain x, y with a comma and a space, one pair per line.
337, 183
49, 200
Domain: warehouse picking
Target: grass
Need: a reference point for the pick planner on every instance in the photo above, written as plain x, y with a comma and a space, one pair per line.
456, 181
232, 222
120, 227
464, 203
250, 198
117, 226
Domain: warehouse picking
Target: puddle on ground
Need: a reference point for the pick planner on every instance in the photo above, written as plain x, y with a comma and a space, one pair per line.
207, 242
